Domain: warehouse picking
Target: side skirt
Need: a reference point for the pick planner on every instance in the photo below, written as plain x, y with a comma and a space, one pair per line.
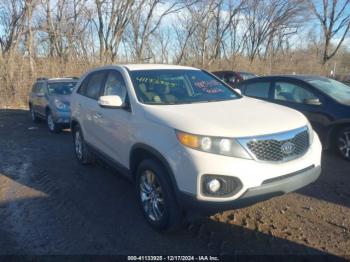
111, 162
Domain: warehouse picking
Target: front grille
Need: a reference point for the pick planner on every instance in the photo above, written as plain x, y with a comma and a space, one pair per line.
279, 147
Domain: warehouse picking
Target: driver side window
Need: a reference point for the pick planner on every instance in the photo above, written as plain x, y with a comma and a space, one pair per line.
115, 85
290, 92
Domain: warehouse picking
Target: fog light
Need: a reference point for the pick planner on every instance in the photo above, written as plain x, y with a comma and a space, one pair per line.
213, 185
219, 186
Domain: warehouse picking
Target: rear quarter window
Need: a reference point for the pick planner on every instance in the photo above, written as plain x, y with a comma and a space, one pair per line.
35, 88
82, 88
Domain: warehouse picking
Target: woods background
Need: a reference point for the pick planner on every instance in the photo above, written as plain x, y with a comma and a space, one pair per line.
56, 38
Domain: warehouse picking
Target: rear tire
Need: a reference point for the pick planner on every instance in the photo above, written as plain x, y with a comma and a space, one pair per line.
343, 143
35, 119
51, 124
156, 197
82, 151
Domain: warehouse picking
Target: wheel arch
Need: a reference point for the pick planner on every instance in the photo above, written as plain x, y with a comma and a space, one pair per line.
333, 131
142, 151
74, 123
47, 109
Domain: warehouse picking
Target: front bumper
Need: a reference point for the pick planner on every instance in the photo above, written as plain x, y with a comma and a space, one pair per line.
259, 180
62, 117
269, 188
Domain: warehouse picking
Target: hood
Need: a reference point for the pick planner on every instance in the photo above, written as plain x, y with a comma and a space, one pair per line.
235, 118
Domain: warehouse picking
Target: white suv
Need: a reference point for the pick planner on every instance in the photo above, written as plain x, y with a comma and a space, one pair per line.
189, 142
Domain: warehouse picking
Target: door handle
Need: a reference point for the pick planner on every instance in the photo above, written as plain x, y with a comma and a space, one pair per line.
98, 115
78, 109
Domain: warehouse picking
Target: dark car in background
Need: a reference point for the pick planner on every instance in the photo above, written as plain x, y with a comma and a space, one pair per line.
50, 100
326, 103
233, 77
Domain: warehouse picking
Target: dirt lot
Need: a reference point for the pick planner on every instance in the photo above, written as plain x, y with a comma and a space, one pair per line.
49, 204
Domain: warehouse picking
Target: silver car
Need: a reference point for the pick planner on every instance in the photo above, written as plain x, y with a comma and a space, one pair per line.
50, 100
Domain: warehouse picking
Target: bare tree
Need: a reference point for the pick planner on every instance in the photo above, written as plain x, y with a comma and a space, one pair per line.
266, 19
186, 25
147, 20
12, 15
225, 13
334, 17
112, 19
29, 8
64, 23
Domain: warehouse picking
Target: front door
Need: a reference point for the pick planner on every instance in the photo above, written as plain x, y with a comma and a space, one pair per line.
115, 122
298, 96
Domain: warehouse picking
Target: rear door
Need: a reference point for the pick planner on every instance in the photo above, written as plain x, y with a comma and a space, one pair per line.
88, 108
42, 97
33, 97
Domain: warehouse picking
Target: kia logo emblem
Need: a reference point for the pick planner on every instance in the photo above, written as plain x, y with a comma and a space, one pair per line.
287, 148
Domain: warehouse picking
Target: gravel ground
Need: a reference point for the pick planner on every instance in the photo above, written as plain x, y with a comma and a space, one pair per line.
49, 204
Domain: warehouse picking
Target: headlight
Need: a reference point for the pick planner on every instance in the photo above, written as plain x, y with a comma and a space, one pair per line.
215, 145
60, 105
311, 133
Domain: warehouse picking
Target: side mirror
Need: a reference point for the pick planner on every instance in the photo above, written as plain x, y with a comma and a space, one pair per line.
312, 101
238, 91
111, 102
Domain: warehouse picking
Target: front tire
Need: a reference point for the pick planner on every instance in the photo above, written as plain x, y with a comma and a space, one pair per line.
82, 152
51, 124
156, 197
343, 143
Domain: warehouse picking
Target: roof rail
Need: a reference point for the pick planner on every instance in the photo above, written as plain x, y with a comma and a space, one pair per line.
73, 77
41, 78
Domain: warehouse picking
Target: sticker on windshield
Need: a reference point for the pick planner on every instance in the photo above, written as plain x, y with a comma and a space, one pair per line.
210, 87
156, 81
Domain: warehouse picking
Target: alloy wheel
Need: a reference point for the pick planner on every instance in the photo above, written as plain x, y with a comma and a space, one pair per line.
32, 114
344, 144
78, 145
151, 195
50, 122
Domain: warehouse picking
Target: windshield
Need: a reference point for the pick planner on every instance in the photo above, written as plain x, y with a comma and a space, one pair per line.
61, 88
179, 87
333, 88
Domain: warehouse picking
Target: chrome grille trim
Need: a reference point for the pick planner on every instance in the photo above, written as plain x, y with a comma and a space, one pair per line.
267, 148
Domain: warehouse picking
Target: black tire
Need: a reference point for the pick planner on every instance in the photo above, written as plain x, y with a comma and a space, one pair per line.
34, 117
82, 151
172, 217
343, 143
51, 124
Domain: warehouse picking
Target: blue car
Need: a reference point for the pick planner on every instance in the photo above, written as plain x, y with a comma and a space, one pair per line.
324, 101
50, 100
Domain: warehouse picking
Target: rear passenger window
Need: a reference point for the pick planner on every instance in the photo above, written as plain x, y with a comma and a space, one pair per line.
260, 90
95, 83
